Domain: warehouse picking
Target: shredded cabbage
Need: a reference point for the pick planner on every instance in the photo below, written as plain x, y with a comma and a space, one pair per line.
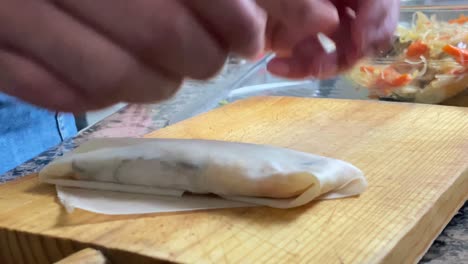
421, 59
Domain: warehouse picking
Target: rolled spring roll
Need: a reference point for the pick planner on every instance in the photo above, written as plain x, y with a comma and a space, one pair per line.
250, 173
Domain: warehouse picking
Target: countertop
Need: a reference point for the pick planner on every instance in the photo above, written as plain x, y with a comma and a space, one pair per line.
136, 120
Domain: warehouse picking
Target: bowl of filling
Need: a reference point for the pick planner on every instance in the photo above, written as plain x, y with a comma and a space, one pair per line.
428, 62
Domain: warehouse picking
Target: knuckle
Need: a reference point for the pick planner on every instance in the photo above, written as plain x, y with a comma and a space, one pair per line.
165, 95
108, 82
115, 76
92, 105
211, 66
296, 11
170, 90
301, 12
151, 87
249, 34
251, 25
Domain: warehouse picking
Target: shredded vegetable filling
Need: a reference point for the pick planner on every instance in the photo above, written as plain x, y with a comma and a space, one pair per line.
428, 63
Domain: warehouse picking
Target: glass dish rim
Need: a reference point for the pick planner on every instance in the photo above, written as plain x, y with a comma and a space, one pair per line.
435, 8
411, 9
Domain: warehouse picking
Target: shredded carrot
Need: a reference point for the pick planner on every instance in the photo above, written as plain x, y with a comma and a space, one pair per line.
390, 80
416, 49
395, 79
461, 20
460, 55
401, 80
390, 72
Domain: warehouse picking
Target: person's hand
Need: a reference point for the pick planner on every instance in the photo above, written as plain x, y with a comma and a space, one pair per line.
358, 27
290, 22
74, 55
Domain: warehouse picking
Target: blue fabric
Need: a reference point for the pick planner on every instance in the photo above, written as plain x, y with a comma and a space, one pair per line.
26, 131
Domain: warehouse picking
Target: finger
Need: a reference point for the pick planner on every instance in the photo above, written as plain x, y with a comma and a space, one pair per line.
23, 78
308, 60
239, 24
163, 34
303, 16
80, 57
358, 35
299, 19
271, 41
348, 52
367, 32
375, 24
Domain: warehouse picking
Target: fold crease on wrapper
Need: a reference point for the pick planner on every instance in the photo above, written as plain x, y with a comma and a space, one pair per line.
138, 176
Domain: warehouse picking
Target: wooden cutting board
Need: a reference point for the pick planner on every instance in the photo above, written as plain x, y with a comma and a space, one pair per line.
415, 158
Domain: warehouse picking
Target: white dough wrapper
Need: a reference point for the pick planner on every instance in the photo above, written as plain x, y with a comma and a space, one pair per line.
122, 203
245, 173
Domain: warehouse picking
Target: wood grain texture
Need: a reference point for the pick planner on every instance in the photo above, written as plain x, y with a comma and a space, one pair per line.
85, 256
415, 158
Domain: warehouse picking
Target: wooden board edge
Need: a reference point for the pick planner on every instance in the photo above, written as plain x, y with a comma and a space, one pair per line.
20, 180
88, 255
55, 249
437, 217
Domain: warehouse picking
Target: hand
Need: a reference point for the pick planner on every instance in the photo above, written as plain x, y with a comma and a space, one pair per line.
75, 56
367, 28
290, 22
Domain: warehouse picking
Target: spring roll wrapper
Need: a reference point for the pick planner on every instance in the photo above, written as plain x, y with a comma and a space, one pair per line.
121, 176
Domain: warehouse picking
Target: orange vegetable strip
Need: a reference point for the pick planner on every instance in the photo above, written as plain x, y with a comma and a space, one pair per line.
461, 20
401, 80
390, 77
417, 49
460, 55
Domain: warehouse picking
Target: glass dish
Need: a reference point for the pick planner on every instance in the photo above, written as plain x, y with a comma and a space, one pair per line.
428, 62
432, 2
260, 82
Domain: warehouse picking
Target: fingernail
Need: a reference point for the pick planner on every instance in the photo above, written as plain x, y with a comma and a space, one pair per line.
279, 67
